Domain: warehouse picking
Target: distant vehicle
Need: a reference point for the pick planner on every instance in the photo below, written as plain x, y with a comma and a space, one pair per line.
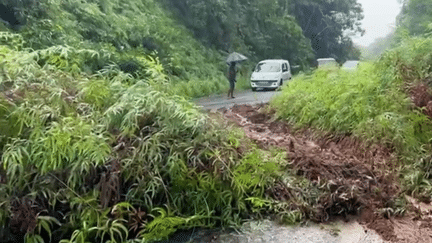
327, 62
270, 74
350, 65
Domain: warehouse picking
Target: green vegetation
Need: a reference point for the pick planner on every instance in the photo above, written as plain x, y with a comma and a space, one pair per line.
96, 35
260, 30
358, 103
275, 29
98, 142
111, 157
386, 101
90, 158
374, 103
105, 36
416, 17
108, 157
327, 24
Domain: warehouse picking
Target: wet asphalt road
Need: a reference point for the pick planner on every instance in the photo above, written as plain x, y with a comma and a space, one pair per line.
241, 98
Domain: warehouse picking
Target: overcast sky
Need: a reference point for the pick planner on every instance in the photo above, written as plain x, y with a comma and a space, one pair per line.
380, 18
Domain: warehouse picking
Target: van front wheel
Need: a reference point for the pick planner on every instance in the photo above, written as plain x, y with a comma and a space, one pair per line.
254, 89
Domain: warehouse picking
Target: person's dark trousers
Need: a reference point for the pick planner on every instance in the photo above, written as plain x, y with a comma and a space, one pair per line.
231, 90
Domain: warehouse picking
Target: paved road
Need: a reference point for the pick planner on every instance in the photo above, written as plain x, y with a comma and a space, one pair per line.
244, 97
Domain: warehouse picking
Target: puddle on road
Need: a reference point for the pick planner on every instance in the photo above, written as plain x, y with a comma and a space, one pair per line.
270, 231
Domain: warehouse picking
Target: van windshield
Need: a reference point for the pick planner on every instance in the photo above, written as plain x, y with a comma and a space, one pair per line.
268, 67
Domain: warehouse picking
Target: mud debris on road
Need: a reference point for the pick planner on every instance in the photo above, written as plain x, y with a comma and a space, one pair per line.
362, 177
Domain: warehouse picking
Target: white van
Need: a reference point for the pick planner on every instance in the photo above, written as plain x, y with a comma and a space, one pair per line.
270, 74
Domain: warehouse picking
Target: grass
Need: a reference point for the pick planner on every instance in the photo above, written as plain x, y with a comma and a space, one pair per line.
357, 103
372, 103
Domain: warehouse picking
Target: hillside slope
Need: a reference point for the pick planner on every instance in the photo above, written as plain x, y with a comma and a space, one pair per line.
189, 38
119, 35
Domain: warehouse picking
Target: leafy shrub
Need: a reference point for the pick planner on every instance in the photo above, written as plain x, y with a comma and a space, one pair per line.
358, 103
372, 103
14, 41
112, 32
255, 171
102, 152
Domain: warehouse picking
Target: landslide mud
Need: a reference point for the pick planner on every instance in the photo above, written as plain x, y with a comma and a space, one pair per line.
421, 97
361, 178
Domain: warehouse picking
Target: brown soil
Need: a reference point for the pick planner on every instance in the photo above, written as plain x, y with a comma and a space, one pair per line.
421, 97
361, 178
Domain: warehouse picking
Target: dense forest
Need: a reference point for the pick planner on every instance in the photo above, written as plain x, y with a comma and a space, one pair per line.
275, 29
299, 31
98, 141
416, 17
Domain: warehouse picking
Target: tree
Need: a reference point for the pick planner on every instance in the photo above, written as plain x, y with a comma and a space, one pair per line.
262, 29
328, 24
416, 16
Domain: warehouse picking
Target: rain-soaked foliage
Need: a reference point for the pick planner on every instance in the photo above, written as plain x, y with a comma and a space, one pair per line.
299, 31
99, 144
276, 28
416, 17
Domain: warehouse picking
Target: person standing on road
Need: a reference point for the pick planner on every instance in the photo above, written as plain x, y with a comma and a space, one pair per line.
232, 72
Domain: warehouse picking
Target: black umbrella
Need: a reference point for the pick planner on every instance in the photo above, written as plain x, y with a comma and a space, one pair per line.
235, 57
